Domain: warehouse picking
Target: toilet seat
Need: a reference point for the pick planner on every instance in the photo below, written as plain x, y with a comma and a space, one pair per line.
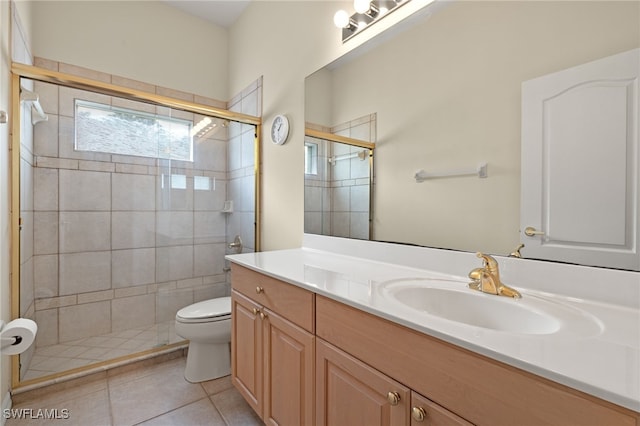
218, 309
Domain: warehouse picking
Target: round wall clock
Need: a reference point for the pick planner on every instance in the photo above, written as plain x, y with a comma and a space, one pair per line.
280, 129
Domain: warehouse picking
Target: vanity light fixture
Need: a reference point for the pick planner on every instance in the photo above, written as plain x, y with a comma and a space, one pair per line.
366, 13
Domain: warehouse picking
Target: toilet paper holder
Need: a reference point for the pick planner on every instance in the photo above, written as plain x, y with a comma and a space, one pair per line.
17, 336
5, 342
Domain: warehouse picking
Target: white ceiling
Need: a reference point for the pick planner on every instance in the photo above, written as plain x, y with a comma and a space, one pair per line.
221, 12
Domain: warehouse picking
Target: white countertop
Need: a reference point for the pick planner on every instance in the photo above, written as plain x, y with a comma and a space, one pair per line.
605, 364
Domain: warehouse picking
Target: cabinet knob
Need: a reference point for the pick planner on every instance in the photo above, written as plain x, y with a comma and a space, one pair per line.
393, 398
259, 290
255, 311
418, 414
263, 315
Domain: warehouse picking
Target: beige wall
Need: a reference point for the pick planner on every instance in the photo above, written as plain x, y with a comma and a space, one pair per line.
284, 42
5, 79
142, 40
447, 94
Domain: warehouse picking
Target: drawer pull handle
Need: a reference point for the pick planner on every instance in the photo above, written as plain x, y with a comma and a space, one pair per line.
259, 290
393, 398
263, 315
418, 414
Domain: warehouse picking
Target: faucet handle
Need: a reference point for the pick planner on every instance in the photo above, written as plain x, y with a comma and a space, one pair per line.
489, 262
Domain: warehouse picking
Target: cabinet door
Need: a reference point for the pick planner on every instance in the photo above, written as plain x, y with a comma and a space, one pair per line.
288, 372
246, 350
426, 412
350, 392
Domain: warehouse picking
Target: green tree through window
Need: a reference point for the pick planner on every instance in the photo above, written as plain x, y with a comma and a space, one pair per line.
109, 129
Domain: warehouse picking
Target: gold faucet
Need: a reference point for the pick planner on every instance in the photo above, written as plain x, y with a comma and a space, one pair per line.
487, 279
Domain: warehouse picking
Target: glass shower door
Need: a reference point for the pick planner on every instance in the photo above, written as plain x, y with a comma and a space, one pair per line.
125, 211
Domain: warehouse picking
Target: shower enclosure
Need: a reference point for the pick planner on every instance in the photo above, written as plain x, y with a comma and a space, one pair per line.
128, 203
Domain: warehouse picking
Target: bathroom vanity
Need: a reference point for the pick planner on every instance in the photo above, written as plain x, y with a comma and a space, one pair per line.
318, 339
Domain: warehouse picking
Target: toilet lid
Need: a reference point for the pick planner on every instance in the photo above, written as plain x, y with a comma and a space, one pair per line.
212, 308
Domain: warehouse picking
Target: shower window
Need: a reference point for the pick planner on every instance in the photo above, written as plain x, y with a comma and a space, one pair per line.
310, 158
114, 130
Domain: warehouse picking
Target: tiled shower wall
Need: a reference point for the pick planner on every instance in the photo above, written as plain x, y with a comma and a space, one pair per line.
337, 199
113, 246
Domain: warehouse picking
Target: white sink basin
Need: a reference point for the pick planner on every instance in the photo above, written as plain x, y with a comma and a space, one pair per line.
454, 301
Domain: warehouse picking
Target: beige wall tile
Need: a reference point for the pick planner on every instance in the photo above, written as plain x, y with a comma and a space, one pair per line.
133, 267
45, 275
84, 231
45, 233
133, 229
98, 166
209, 227
85, 272
132, 312
85, 190
45, 189
47, 322
45, 137
56, 163
174, 263
208, 259
133, 192
56, 302
130, 291
89, 319
95, 296
174, 228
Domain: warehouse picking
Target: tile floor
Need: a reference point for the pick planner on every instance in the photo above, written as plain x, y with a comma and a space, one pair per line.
90, 350
156, 394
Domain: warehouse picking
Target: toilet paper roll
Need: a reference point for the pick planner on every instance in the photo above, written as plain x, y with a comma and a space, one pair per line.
17, 336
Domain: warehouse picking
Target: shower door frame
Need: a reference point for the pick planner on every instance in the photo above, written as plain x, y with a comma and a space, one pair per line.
19, 71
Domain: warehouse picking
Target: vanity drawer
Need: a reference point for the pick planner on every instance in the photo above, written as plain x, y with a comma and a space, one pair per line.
477, 388
293, 303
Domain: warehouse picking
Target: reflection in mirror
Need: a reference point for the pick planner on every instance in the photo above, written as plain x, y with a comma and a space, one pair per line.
455, 100
338, 182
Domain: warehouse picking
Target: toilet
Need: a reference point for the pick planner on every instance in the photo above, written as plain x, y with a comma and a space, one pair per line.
207, 326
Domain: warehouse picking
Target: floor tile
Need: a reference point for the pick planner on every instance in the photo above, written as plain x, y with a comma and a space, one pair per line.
234, 409
213, 387
152, 395
89, 409
201, 412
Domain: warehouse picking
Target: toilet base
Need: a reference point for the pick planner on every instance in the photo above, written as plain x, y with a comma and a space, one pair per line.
207, 361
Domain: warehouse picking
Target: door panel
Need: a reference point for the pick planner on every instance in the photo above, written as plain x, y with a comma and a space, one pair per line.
246, 350
289, 374
580, 164
350, 392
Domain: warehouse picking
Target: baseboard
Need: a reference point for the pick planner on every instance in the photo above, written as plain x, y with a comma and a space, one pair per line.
6, 405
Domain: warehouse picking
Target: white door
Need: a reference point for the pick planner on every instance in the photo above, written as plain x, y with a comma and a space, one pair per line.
580, 159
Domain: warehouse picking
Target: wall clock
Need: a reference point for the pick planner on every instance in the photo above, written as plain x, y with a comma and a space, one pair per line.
280, 129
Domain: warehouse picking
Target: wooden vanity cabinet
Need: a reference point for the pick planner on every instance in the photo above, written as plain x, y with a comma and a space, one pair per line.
350, 392
302, 359
272, 347
476, 388
426, 412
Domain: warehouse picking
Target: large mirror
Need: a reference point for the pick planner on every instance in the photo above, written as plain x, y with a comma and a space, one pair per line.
447, 95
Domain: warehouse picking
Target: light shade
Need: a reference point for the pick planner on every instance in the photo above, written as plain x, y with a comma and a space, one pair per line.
341, 19
362, 6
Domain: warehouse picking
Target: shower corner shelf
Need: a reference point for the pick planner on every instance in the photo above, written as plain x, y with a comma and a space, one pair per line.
228, 207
